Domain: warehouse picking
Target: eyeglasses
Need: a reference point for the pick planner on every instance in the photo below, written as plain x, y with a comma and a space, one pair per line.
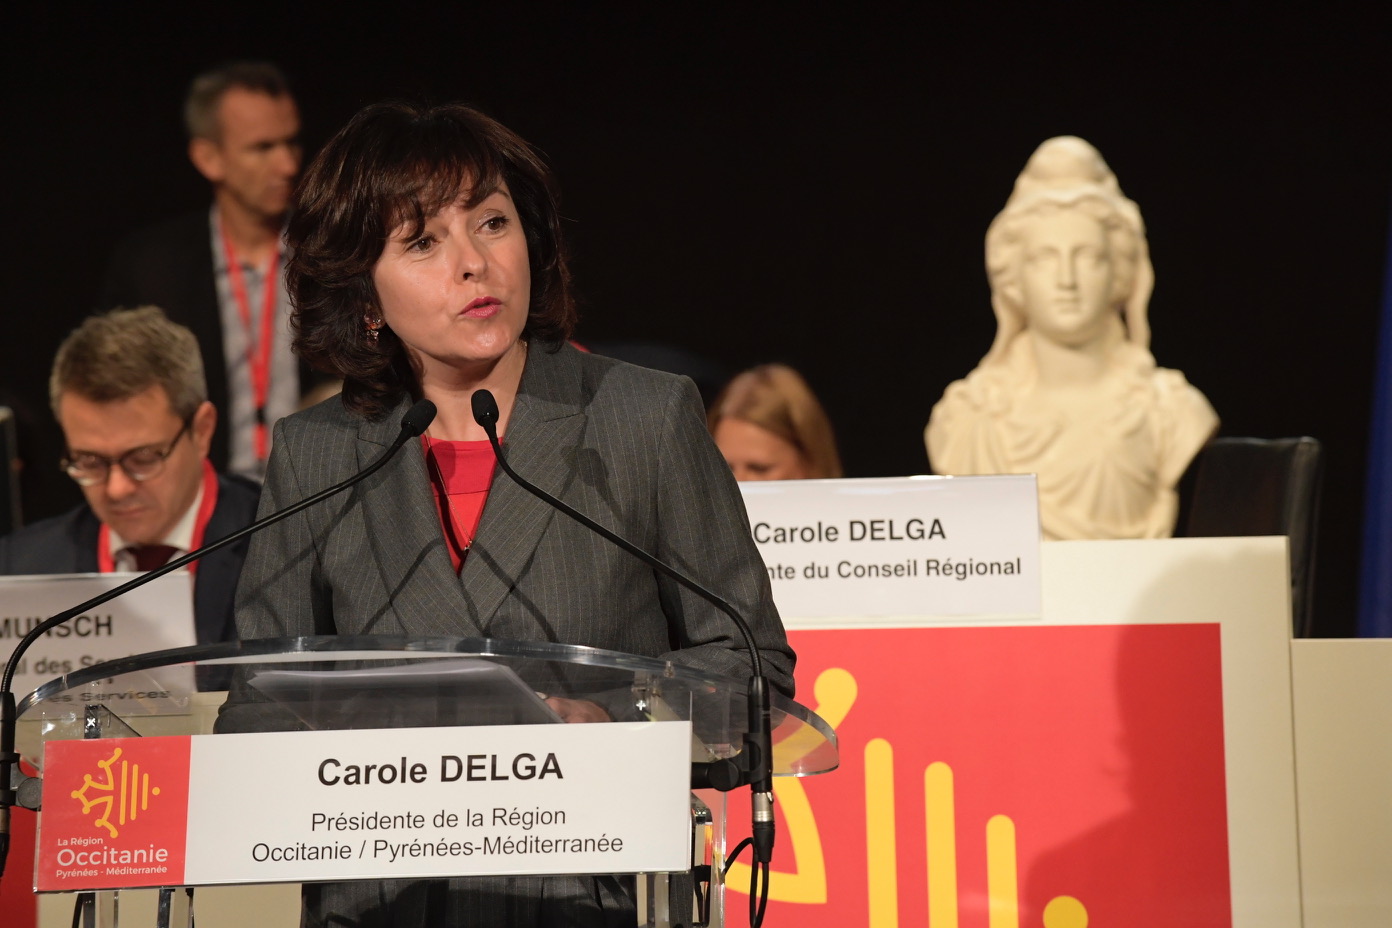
139, 464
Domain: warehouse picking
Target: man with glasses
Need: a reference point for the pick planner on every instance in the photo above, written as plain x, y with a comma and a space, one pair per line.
129, 393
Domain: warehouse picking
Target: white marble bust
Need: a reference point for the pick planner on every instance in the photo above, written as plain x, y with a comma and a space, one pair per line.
1069, 389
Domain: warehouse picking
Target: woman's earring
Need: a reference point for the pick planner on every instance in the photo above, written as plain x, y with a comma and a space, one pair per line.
373, 326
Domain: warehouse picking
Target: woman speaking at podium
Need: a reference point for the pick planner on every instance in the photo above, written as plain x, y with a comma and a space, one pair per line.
427, 262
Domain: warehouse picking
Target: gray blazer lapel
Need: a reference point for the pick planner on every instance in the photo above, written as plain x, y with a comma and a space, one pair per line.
546, 424
404, 534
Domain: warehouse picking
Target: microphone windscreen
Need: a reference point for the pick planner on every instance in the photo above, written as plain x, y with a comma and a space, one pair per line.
418, 418
485, 409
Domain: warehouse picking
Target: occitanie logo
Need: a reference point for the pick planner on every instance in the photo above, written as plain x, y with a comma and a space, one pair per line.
121, 792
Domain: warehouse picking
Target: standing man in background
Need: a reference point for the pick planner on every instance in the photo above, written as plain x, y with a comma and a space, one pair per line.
219, 272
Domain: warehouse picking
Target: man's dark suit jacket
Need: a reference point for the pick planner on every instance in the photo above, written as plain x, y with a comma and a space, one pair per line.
67, 544
170, 265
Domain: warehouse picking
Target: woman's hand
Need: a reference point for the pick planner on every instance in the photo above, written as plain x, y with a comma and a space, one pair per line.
578, 710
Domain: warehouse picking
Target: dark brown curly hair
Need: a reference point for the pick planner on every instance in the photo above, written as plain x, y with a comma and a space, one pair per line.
398, 163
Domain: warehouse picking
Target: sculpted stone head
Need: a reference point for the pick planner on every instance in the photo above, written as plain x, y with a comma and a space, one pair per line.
1069, 391
1068, 253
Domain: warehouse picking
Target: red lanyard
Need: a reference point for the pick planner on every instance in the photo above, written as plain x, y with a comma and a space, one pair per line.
258, 349
106, 558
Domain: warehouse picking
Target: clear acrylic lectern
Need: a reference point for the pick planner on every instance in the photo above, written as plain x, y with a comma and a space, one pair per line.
375, 683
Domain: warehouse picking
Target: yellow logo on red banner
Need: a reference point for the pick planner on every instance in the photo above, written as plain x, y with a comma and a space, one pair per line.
1008, 777
122, 793
115, 813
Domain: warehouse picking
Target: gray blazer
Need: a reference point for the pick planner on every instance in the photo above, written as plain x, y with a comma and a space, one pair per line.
626, 445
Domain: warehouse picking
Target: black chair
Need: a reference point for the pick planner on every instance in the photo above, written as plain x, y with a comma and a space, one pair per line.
1255, 486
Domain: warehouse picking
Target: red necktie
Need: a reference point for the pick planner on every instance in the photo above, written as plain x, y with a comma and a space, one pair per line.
148, 557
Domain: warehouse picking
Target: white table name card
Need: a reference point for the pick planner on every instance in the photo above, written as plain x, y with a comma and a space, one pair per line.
366, 804
901, 547
153, 617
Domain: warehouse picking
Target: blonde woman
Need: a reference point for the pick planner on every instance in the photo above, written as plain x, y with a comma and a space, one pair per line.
769, 426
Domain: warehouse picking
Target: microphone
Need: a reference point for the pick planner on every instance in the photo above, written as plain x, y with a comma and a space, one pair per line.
416, 420
758, 764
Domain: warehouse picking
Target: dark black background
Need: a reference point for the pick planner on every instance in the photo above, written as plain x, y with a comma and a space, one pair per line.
806, 183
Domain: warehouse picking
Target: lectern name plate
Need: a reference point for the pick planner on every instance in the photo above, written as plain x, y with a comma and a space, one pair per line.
383, 804
909, 547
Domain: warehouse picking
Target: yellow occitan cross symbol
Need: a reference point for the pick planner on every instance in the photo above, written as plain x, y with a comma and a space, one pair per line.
1003, 898
126, 791
836, 691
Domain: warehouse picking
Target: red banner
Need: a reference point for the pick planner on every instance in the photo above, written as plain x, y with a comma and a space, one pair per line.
1001, 777
16, 889
115, 812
